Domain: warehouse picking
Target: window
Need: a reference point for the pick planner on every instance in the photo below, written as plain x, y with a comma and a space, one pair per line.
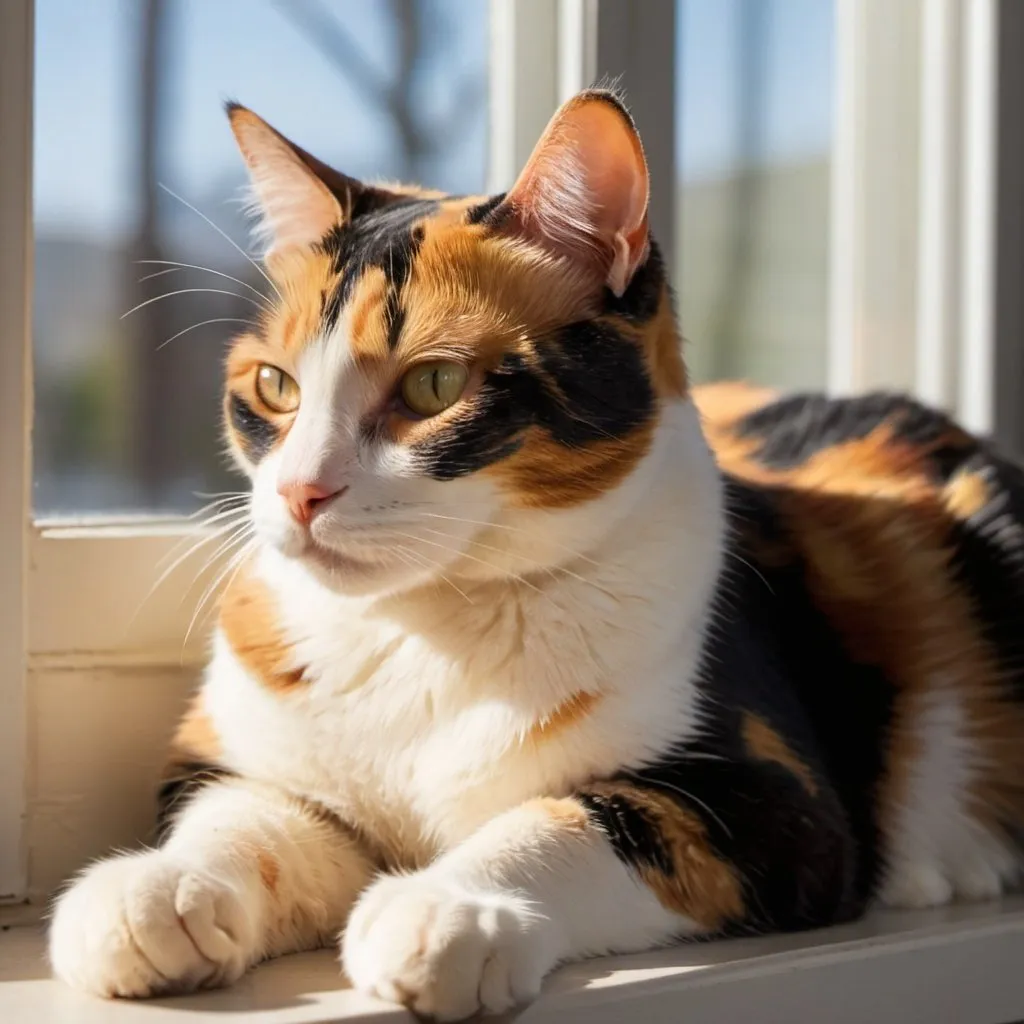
754, 105
835, 183
127, 334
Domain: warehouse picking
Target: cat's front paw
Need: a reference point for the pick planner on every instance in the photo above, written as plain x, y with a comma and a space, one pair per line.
444, 951
144, 924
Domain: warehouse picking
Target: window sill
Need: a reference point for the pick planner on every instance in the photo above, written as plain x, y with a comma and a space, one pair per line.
957, 964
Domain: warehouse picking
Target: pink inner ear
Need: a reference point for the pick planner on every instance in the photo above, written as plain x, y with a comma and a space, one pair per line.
298, 209
584, 191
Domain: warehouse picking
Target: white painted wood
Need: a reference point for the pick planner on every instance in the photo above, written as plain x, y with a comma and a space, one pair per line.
844, 262
874, 203
956, 965
100, 735
523, 83
977, 354
577, 46
97, 595
939, 185
16, 40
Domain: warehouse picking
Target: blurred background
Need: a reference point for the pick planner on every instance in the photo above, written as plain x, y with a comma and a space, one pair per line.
129, 96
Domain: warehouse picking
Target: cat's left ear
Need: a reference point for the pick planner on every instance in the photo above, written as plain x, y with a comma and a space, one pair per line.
300, 198
584, 192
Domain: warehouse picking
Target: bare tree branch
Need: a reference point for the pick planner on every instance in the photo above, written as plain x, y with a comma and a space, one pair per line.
333, 41
397, 95
456, 121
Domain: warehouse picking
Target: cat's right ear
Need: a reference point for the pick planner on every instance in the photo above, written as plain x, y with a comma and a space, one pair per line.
300, 199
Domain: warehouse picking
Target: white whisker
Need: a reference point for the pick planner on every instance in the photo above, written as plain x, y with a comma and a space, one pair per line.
463, 554
174, 265
187, 291
224, 235
538, 566
511, 529
203, 323
426, 563
182, 557
159, 273
645, 780
235, 563
206, 536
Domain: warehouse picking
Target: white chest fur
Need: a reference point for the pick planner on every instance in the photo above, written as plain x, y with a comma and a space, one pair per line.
423, 717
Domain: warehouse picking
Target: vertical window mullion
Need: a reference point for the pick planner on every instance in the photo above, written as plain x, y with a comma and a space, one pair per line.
636, 47
16, 57
977, 310
874, 205
524, 83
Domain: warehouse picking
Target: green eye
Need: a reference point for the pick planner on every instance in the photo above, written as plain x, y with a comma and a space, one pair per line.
276, 390
431, 388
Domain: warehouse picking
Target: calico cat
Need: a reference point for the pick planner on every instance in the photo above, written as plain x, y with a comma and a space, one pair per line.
519, 671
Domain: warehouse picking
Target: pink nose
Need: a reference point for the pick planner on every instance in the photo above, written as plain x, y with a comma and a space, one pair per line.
304, 499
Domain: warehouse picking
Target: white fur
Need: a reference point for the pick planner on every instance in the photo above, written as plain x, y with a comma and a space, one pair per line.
198, 911
438, 626
413, 724
416, 726
481, 927
937, 849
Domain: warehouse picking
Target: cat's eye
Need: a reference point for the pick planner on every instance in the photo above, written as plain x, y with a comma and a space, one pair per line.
276, 389
431, 388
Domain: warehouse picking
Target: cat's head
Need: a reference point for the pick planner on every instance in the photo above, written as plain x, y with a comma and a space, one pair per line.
450, 386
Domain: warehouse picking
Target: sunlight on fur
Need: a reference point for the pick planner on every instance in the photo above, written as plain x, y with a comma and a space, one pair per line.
529, 651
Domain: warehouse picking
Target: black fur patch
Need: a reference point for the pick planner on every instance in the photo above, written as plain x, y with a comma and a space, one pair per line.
503, 408
800, 426
603, 389
641, 299
387, 238
592, 385
772, 651
256, 434
806, 858
633, 836
481, 213
987, 561
175, 792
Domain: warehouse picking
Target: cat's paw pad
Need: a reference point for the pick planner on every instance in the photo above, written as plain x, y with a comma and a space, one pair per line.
147, 923
442, 951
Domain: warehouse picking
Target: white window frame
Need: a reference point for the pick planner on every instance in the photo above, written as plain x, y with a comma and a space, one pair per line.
914, 186
70, 592
16, 37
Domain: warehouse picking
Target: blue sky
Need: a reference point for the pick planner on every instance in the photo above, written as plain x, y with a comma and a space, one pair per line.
247, 50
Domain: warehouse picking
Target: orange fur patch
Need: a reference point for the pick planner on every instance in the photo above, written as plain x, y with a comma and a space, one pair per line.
765, 744
367, 334
663, 350
250, 623
195, 740
476, 296
724, 403
966, 495
270, 871
546, 474
302, 276
700, 886
566, 812
872, 528
569, 713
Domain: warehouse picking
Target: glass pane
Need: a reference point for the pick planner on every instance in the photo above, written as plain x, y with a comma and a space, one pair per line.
754, 96
129, 95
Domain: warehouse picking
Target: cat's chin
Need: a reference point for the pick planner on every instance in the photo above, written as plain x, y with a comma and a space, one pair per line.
348, 574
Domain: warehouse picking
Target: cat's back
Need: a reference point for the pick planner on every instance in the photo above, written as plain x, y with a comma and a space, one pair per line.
879, 547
